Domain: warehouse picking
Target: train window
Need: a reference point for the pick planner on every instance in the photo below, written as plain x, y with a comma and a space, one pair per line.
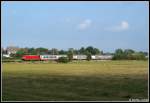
45, 56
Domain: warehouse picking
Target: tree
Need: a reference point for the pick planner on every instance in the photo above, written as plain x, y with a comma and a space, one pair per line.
71, 50
70, 55
92, 50
145, 53
54, 51
89, 49
75, 51
88, 56
19, 53
138, 56
49, 52
62, 52
128, 54
96, 51
32, 51
119, 54
41, 50
82, 50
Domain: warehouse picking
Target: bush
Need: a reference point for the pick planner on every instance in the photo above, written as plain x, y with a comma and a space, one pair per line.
139, 56
63, 60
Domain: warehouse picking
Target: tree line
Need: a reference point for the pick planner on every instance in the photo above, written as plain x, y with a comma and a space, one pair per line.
119, 54
129, 54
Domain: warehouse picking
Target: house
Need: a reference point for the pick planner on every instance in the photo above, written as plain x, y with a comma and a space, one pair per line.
12, 49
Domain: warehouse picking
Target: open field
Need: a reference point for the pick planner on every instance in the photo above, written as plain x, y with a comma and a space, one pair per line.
76, 81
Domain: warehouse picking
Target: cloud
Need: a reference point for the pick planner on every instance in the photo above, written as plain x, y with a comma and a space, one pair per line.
85, 24
124, 25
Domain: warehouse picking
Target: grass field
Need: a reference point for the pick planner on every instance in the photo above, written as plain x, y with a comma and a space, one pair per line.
76, 81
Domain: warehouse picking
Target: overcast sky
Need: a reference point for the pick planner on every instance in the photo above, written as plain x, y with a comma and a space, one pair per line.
63, 25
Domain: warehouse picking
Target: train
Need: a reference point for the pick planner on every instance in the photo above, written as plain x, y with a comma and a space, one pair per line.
56, 57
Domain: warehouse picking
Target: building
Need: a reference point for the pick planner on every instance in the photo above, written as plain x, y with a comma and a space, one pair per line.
12, 49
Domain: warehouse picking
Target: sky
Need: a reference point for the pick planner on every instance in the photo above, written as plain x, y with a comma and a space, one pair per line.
75, 24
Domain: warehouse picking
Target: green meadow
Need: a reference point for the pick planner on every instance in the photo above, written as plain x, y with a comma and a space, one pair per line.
75, 81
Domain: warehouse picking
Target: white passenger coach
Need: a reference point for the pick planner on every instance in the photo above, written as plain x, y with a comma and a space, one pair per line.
76, 57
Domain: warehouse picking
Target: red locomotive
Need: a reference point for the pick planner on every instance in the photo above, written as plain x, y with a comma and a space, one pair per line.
31, 57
